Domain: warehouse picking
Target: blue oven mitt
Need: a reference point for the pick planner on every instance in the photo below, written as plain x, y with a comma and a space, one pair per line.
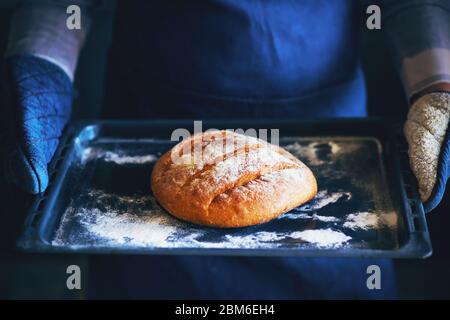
427, 131
37, 98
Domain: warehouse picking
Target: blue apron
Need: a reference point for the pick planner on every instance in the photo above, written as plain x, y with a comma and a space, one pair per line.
236, 58
225, 59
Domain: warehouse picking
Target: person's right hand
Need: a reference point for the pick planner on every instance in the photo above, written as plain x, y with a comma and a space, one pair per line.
427, 132
35, 107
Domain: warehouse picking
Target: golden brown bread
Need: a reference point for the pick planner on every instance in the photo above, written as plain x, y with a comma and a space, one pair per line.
224, 179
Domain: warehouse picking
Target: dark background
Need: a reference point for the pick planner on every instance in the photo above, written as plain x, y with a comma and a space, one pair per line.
43, 276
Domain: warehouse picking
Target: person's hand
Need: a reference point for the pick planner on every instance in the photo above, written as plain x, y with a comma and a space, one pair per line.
35, 107
427, 134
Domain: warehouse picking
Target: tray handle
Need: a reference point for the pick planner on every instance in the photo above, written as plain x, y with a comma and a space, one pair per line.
415, 213
37, 208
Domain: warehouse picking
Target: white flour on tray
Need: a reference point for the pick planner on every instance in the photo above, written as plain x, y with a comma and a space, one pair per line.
137, 221
118, 157
153, 227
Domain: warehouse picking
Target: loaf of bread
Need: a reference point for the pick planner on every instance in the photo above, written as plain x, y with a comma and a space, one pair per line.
224, 179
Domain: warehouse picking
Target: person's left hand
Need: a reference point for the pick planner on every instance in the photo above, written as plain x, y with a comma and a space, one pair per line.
427, 133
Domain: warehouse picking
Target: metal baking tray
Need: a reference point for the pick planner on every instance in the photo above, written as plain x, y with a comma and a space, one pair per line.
99, 198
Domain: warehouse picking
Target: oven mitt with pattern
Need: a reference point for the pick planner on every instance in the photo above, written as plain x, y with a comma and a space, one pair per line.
428, 137
36, 105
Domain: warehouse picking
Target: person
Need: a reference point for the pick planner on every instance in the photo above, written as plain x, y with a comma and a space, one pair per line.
219, 59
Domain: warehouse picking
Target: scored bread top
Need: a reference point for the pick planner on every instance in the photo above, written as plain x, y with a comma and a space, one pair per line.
225, 179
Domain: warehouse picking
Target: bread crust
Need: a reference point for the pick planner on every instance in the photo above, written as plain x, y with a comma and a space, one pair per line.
227, 180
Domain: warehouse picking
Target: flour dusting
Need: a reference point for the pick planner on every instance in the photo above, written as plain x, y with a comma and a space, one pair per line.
306, 216
116, 157
115, 208
323, 237
325, 198
361, 220
305, 153
325, 218
127, 228
139, 221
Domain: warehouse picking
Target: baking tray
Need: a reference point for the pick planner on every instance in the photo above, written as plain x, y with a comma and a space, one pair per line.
99, 198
